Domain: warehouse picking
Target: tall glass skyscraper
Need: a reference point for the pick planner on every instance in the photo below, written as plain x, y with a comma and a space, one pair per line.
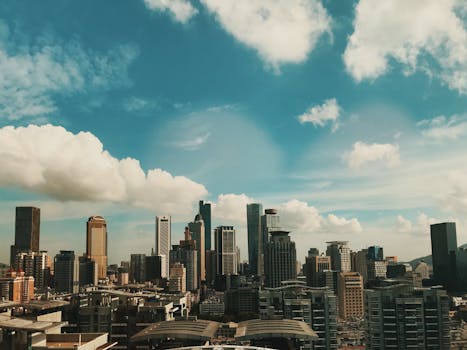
270, 221
205, 213
444, 248
253, 216
27, 231
163, 241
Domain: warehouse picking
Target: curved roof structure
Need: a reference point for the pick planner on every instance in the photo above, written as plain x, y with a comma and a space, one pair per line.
261, 329
202, 330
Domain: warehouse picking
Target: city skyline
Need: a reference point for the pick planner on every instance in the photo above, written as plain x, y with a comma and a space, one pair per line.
350, 122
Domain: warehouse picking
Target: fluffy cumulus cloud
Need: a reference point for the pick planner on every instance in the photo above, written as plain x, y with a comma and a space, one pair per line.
281, 31
303, 218
32, 76
181, 10
320, 115
52, 161
429, 35
420, 226
231, 207
363, 153
443, 128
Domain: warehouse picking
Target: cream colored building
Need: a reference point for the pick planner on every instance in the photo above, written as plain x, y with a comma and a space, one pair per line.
96, 244
350, 293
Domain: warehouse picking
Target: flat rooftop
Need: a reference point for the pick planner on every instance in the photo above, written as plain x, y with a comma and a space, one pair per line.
202, 330
20, 324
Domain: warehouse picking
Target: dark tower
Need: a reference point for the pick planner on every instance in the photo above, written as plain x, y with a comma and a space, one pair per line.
27, 231
205, 213
443, 249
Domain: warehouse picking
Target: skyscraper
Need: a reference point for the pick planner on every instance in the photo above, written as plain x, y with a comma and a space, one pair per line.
443, 248
66, 266
253, 216
186, 254
163, 240
205, 214
375, 253
350, 292
96, 244
339, 252
270, 221
27, 231
197, 232
226, 253
280, 259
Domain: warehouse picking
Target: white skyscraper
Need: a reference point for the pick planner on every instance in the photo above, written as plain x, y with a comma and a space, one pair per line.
163, 228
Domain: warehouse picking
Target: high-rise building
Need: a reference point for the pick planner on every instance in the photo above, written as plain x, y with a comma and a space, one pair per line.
376, 269
375, 253
399, 317
270, 221
35, 264
360, 263
197, 231
339, 252
444, 248
315, 306
138, 268
253, 216
185, 253
17, 287
280, 259
87, 271
226, 254
153, 266
314, 267
177, 279
350, 293
205, 215
96, 244
163, 240
27, 231
66, 267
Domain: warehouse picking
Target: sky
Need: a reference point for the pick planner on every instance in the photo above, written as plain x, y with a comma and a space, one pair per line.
349, 117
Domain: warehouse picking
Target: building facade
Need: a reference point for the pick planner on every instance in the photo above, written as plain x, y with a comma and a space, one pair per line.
339, 252
253, 215
27, 231
444, 249
350, 293
205, 214
96, 244
66, 268
163, 240
280, 259
270, 221
226, 252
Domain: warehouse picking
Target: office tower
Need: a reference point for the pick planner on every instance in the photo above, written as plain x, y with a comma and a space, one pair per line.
137, 268
399, 317
96, 244
315, 306
17, 287
270, 221
350, 292
253, 217
423, 269
185, 253
339, 252
35, 264
375, 253
443, 248
205, 215
211, 266
66, 267
314, 267
391, 260
27, 231
226, 255
360, 263
197, 231
177, 279
376, 269
313, 252
87, 272
163, 240
153, 267
280, 259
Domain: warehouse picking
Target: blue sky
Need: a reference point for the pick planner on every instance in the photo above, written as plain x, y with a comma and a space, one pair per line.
349, 117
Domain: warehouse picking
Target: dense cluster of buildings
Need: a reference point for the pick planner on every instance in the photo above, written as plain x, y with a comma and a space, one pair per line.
345, 297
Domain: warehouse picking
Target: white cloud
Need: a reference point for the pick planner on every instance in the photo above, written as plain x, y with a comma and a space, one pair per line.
363, 153
321, 114
426, 34
181, 10
300, 217
231, 207
419, 227
139, 105
52, 161
441, 127
455, 200
194, 143
31, 76
281, 31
